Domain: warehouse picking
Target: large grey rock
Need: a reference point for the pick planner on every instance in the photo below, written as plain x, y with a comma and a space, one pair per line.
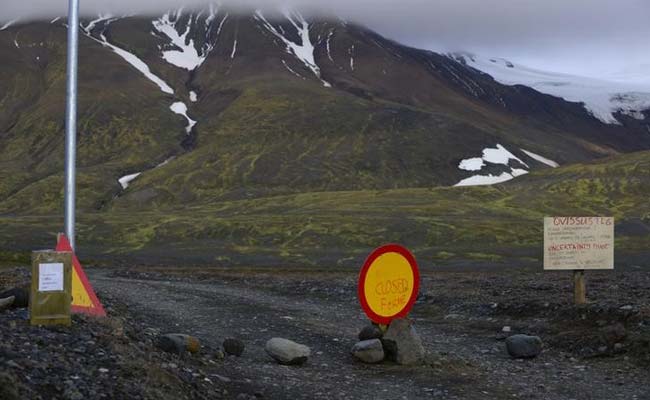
286, 352
369, 351
524, 346
402, 344
20, 294
6, 303
370, 332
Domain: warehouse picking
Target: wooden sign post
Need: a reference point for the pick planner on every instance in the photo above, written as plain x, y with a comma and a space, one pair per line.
578, 244
579, 287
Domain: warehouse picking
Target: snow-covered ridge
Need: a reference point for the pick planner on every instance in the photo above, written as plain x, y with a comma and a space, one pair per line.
303, 51
602, 98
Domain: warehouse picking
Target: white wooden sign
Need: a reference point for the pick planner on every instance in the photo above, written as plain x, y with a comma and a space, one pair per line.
577, 243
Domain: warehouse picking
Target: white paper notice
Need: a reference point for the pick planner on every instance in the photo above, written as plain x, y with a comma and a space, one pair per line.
50, 277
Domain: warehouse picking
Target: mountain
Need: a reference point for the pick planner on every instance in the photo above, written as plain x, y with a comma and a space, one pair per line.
194, 109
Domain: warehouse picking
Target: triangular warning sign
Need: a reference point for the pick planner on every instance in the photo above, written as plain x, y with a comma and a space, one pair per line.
84, 299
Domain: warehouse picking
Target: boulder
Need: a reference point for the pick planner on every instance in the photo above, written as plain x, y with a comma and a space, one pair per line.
402, 344
6, 303
234, 347
524, 346
370, 332
20, 295
178, 343
369, 351
286, 352
613, 334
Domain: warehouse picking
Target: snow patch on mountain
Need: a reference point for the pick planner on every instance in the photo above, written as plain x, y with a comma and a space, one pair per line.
193, 96
290, 70
472, 164
304, 50
127, 179
92, 24
234, 50
128, 57
181, 109
184, 53
178, 107
541, 159
497, 155
329, 45
602, 98
8, 24
482, 180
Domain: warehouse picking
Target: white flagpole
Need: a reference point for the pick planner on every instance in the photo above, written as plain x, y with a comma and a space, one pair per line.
71, 120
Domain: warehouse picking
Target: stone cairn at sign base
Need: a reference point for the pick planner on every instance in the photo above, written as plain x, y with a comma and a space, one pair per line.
400, 343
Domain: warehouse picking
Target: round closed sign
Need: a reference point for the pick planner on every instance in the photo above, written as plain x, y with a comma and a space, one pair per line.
388, 284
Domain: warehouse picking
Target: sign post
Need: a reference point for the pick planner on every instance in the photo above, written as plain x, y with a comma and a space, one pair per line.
71, 119
578, 244
388, 284
579, 287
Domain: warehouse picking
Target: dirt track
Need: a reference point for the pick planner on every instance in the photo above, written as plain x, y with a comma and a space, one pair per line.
458, 316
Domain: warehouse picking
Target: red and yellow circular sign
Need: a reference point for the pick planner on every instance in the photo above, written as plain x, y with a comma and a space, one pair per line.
388, 284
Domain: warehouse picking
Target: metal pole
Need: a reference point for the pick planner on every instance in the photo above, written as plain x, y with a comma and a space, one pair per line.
71, 119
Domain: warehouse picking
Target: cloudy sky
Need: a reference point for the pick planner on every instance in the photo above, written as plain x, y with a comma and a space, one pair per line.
588, 37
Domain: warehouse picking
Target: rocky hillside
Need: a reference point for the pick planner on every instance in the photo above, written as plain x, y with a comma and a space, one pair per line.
199, 106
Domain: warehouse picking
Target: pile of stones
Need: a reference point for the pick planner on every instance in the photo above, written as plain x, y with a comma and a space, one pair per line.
399, 343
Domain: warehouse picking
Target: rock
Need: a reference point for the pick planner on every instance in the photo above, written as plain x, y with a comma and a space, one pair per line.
369, 351
178, 343
370, 332
506, 329
21, 296
402, 344
234, 347
287, 352
6, 302
613, 333
524, 346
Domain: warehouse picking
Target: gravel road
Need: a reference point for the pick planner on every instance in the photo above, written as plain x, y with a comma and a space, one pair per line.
458, 315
